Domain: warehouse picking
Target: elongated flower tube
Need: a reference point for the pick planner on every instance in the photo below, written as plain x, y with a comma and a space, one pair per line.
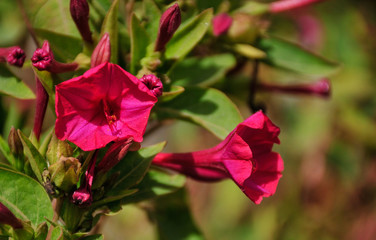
13, 55
41, 106
221, 23
44, 60
7, 217
83, 195
245, 156
169, 23
104, 104
79, 10
319, 88
102, 52
285, 5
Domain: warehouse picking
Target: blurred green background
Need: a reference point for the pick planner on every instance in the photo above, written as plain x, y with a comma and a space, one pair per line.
328, 189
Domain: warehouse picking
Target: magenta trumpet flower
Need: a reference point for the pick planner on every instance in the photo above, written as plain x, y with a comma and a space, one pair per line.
245, 156
103, 105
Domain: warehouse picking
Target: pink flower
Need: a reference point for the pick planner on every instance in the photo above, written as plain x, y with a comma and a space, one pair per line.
103, 105
221, 23
245, 156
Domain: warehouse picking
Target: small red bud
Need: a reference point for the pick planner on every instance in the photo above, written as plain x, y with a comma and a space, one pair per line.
44, 60
169, 23
15, 143
83, 196
114, 154
153, 83
221, 23
13, 55
102, 52
7, 217
79, 10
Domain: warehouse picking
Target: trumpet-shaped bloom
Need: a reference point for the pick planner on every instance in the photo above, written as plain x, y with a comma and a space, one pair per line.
245, 156
103, 105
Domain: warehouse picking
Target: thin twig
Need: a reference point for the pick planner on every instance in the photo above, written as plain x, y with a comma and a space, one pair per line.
253, 86
56, 205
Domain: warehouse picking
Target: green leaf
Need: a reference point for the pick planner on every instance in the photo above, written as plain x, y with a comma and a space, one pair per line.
53, 15
209, 108
289, 56
201, 71
37, 162
155, 183
25, 197
5, 150
152, 15
174, 219
188, 35
174, 91
133, 168
110, 26
12, 86
64, 47
139, 44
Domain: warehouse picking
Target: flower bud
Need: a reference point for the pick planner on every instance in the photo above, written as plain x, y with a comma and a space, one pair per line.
65, 173
7, 217
244, 28
57, 149
169, 23
13, 55
41, 106
221, 23
114, 154
102, 52
79, 10
15, 143
44, 60
153, 83
83, 196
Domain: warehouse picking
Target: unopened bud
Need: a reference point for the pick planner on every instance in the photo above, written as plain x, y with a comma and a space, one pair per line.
15, 143
114, 154
41, 106
13, 55
79, 10
7, 217
285, 5
65, 173
244, 28
153, 83
83, 196
169, 23
44, 60
102, 52
221, 23
320, 88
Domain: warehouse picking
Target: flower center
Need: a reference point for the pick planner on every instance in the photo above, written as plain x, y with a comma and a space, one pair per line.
254, 165
110, 117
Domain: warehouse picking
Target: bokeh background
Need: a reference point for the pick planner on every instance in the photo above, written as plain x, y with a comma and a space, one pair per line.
328, 189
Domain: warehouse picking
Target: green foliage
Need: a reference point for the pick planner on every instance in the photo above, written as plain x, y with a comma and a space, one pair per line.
292, 57
13, 86
110, 26
201, 71
208, 108
139, 44
25, 197
187, 36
